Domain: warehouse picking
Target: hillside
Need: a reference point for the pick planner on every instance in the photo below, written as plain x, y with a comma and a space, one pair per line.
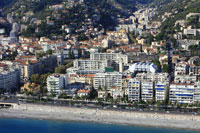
51, 18
47, 17
176, 10
4, 3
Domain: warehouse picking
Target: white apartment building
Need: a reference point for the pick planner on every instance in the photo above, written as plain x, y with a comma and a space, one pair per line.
181, 93
185, 43
196, 92
134, 87
108, 80
147, 88
57, 82
193, 32
181, 69
157, 77
126, 27
194, 70
143, 67
91, 64
185, 79
110, 56
161, 91
73, 70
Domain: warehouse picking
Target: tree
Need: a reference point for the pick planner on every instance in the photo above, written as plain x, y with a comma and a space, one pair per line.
73, 57
165, 68
132, 37
70, 54
193, 47
49, 52
2, 90
43, 90
157, 63
52, 93
93, 94
109, 97
39, 97
70, 64
150, 39
60, 69
79, 52
125, 98
153, 101
76, 97
105, 88
43, 79
198, 63
82, 37
63, 95
99, 88
35, 78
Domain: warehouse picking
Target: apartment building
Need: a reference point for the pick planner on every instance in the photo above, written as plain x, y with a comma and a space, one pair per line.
109, 56
181, 69
193, 32
143, 67
161, 89
57, 82
157, 77
28, 68
195, 71
134, 90
181, 93
108, 80
9, 77
91, 64
147, 90
185, 79
196, 92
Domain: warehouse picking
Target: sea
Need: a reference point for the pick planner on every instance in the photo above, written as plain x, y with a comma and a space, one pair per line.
14, 125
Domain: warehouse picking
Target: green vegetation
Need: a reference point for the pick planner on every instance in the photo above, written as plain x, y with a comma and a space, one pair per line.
62, 69
74, 17
41, 80
157, 63
11, 56
63, 95
149, 39
2, 90
198, 63
132, 37
165, 68
93, 94
182, 8
193, 47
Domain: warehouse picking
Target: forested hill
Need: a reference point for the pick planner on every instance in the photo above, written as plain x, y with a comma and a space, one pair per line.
177, 10
72, 13
47, 17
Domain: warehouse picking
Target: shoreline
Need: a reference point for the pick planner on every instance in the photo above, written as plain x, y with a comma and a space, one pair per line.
45, 112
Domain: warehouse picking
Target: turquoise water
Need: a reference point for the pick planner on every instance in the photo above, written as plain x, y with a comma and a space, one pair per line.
10, 125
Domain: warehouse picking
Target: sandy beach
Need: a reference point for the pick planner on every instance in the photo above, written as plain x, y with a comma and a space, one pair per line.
102, 116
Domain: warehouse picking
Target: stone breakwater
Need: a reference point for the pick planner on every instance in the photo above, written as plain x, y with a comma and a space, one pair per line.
103, 116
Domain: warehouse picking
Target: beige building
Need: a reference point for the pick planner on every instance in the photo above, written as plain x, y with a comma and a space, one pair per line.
31, 87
